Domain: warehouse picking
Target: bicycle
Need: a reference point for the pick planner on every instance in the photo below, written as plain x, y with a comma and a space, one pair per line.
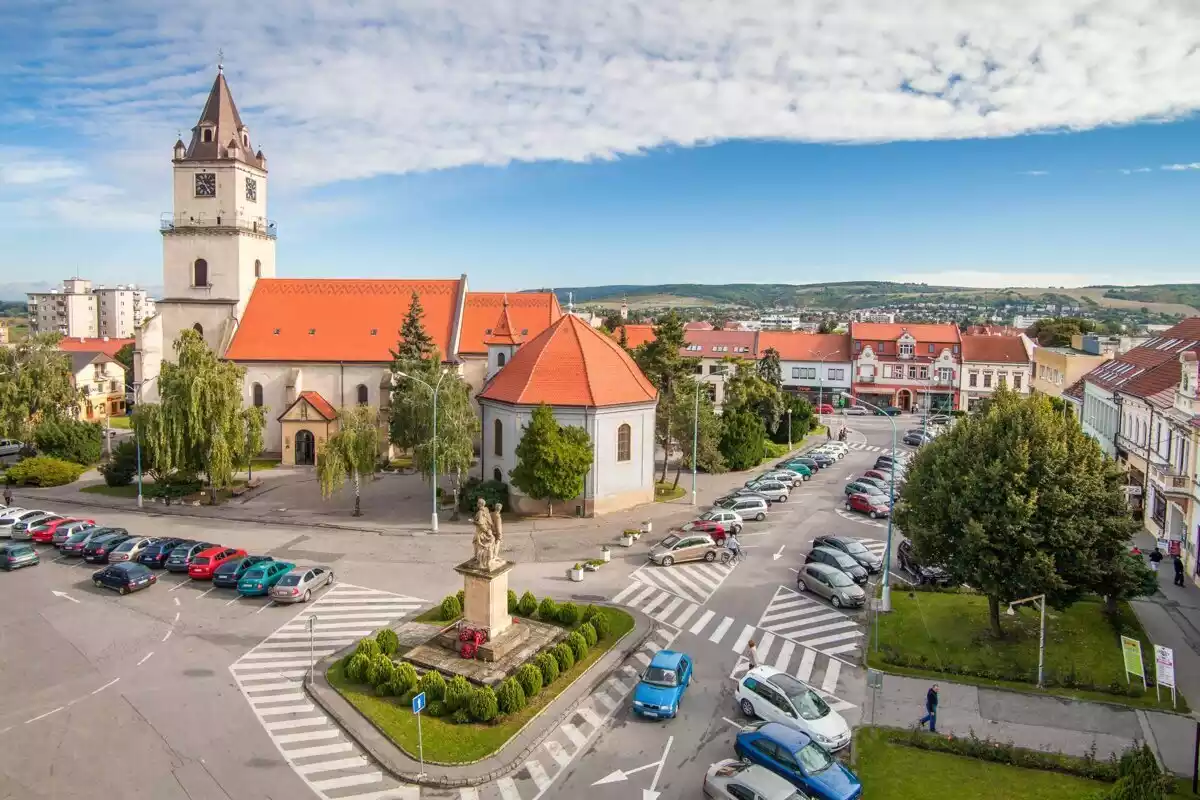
730, 557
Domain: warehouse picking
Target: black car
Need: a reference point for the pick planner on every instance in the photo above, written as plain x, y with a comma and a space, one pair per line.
228, 574
74, 544
839, 561
744, 492
914, 439
822, 459
922, 572
884, 464
156, 555
805, 460
97, 550
853, 548
125, 577
181, 557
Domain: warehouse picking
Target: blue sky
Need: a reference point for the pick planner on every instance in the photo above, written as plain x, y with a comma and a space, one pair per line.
533, 145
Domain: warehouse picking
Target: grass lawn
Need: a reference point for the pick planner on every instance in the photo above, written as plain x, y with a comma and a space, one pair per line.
896, 772
112, 491
927, 631
119, 422
447, 742
666, 491
258, 464
433, 617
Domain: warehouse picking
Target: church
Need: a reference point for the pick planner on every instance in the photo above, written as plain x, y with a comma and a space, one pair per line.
313, 345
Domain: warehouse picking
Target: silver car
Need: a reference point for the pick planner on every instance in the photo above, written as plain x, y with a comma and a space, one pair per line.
832, 584
10, 519
23, 531
732, 779
130, 549
299, 584
856, 411
773, 490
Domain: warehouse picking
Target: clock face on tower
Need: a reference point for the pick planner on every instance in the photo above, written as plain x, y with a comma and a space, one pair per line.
206, 184
252, 190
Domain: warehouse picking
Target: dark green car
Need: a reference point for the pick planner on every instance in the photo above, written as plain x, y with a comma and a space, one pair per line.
17, 555
858, 487
800, 469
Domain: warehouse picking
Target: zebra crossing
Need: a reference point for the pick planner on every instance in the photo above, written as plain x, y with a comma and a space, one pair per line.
811, 623
271, 676
691, 582
867, 448
820, 671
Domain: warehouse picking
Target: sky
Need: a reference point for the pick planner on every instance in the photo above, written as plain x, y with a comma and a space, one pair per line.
536, 143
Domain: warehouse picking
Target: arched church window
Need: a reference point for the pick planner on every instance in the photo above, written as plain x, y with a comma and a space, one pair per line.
624, 440
198, 328
200, 272
362, 395
257, 392
498, 438
257, 268
500, 359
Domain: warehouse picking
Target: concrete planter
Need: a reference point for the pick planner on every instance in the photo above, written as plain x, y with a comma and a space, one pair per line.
606, 554
575, 575
627, 540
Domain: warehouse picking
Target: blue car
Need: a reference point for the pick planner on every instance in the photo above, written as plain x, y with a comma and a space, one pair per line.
795, 756
258, 580
230, 574
662, 685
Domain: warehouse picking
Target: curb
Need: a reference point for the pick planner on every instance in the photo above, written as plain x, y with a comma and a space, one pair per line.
384, 752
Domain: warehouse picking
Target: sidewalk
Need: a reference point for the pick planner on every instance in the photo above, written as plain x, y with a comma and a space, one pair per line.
1036, 722
1172, 619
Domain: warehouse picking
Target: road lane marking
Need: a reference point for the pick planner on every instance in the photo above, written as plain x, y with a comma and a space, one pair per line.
557, 753
43, 716
234, 600
538, 774
206, 593
806, 664
180, 585
319, 750
349, 780
508, 789
700, 623
166, 636
145, 658
743, 638
572, 733
721, 629
686, 615
832, 671
264, 608
105, 686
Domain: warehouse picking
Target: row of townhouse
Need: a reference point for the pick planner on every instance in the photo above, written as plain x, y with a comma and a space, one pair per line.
1143, 408
908, 366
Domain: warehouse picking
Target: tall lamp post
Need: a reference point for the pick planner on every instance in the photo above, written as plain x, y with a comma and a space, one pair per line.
821, 382
886, 602
696, 429
434, 389
1038, 600
137, 440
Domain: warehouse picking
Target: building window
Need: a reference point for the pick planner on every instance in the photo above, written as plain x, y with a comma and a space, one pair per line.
256, 393
207, 135
363, 397
497, 438
987, 380
972, 379
497, 476
858, 347
713, 369
200, 272
624, 437
945, 374
883, 347
836, 374
257, 268
907, 349
500, 359
795, 373
198, 328
931, 348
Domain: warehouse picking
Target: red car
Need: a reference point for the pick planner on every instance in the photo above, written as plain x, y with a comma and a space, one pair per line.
871, 505
882, 474
713, 528
205, 563
45, 534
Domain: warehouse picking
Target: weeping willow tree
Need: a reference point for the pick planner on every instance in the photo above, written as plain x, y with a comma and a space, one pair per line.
350, 453
199, 425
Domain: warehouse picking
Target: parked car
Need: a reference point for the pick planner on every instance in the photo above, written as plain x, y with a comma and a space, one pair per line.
917, 439
74, 544
684, 547
298, 585
729, 520
714, 529
828, 449
823, 459
885, 464
10, 447
924, 573
856, 411
23, 530
811, 463
873, 505
858, 487
17, 515
853, 548
202, 565
838, 560
774, 696
823, 408
181, 557
775, 491
832, 584
130, 549
258, 580
155, 556
878, 483
835, 446
784, 476
885, 475
124, 577
231, 572
803, 470
660, 688
734, 779
890, 411
56, 532
16, 555
744, 492
936, 419
755, 508
98, 549
794, 755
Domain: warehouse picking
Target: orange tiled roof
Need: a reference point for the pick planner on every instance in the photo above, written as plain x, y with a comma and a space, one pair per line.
637, 334
503, 332
924, 333
570, 364
994, 349
319, 404
351, 320
799, 346
530, 313
101, 344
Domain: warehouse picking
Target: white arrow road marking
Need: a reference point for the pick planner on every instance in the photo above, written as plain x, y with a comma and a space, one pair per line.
623, 774
64, 595
778, 555
651, 794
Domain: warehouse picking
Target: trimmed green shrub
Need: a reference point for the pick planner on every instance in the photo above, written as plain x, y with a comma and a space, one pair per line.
357, 667
388, 641
397, 688
600, 624
530, 678
407, 698
565, 657
484, 705
379, 670
44, 471
384, 689
548, 610
451, 608
547, 664
589, 611
69, 440
461, 596
122, 468
492, 492
588, 633
568, 614
578, 645
510, 696
368, 647
406, 676
433, 685
436, 709
527, 605
512, 602
458, 693
1141, 778
461, 717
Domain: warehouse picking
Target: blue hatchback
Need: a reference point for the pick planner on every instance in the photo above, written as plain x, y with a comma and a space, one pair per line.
662, 685
794, 755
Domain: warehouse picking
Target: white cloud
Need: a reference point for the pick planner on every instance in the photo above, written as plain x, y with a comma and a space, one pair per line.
1036, 173
1136, 171
1008, 279
39, 187
1180, 167
340, 91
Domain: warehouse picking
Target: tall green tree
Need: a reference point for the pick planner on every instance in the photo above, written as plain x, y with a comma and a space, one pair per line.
124, 357
411, 421
415, 354
706, 427
415, 343
769, 368
827, 325
743, 440
802, 419
661, 361
747, 390
1018, 501
35, 384
552, 460
1057, 331
350, 453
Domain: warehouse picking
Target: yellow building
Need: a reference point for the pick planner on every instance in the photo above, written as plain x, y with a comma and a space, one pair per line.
101, 379
1057, 368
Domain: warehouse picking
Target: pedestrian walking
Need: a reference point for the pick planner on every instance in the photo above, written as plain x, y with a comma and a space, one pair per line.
1156, 558
752, 650
931, 705
7, 496
1178, 562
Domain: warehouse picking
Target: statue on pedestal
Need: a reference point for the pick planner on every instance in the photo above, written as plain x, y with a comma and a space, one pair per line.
489, 534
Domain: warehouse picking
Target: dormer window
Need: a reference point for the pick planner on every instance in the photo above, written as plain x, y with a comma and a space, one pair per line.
907, 349
206, 135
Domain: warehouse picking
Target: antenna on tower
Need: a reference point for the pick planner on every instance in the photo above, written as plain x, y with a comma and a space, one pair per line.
221, 61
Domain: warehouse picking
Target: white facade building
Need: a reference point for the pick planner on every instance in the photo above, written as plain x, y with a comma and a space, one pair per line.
816, 365
79, 310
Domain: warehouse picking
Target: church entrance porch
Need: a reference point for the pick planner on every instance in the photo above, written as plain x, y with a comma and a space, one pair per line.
306, 449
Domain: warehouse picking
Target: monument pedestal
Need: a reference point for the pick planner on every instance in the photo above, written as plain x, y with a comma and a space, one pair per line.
485, 605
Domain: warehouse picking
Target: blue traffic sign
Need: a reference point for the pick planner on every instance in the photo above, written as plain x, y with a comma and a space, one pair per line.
419, 703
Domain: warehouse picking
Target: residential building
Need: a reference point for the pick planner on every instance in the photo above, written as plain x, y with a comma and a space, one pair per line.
715, 350
815, 365
121, 310
909, 366
989, 362
875, 316
588, 381
1096, 344
79, 310
1026, 321
101, 379
1057, 368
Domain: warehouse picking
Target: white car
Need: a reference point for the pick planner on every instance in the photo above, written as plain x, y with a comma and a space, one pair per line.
10, 447
856, 411
831, 451
774, 491
784, 476
13, 516
731, 520
773, 695
734, 779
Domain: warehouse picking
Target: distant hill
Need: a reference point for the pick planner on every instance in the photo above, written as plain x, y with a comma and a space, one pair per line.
1164, 298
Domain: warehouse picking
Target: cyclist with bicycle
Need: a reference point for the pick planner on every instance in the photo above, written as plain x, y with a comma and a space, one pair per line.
733, 546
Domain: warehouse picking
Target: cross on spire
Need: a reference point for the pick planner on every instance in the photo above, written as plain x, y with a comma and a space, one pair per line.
220, 60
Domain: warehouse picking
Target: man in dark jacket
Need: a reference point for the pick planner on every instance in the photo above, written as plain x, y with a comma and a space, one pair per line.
7, 496
931, 704
1178, 562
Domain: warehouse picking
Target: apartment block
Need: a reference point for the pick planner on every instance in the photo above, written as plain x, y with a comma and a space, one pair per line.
80, 310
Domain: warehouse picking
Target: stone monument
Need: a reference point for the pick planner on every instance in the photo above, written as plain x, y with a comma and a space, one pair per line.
485, 579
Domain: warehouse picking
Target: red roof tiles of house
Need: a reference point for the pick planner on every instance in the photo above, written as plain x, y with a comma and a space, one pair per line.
570, 364
319, 404
995, 349
102, 344
637, 334
1137, 371
529, 313
798, 346
720, 344
924, 333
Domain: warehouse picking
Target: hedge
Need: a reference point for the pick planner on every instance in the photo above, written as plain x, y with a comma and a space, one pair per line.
530, 678
599, 622
433, 685
510, 696
484, 705
492, 492
368, 647
547, 664
568, 614
451, 608
44, 471
548, 610
69, 440
565, 657
356, 667
406, 676
527, 605
388, 641
458, 693
588, 633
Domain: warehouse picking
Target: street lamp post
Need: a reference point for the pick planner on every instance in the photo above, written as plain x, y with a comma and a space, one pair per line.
1040, 601
821, 382
696, 431
789, 413
885, 604
434, 389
